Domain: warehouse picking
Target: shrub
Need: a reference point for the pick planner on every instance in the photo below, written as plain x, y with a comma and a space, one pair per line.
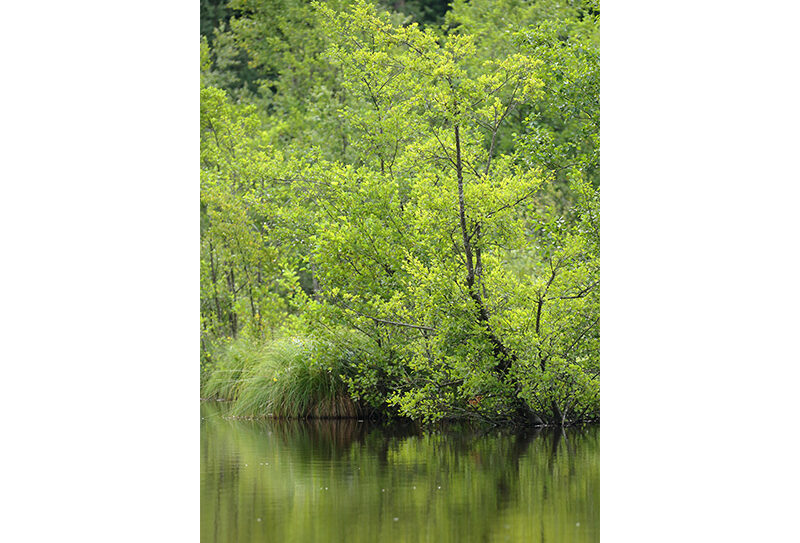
224, 380
289, 379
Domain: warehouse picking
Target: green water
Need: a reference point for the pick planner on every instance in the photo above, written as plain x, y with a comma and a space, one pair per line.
349, 481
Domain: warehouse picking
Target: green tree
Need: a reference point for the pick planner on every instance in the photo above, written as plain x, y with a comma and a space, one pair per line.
421, 202
412, 245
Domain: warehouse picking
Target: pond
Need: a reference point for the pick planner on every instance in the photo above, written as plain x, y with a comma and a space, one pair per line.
359, 481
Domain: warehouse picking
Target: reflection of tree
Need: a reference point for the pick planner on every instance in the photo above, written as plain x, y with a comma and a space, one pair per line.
555, 441
519, 445
536, 483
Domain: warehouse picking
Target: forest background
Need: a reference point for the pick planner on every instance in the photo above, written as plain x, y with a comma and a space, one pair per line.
400, 209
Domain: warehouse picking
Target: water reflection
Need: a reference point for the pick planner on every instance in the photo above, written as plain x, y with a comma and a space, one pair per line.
343, 480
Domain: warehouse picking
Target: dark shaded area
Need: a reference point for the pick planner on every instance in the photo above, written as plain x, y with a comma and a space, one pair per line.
425, 12
213, 13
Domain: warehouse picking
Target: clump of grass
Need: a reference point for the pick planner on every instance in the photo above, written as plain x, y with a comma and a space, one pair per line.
224, 381
290, 379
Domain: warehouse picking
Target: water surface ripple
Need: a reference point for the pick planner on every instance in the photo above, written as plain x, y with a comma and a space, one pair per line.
350, 481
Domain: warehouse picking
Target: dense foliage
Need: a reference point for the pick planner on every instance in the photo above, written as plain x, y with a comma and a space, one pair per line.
419, 204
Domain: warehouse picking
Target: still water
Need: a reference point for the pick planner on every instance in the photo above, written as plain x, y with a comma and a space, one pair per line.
350, 481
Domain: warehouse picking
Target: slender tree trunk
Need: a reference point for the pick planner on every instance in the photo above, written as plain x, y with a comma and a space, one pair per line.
538, 324
314, 280
258, 286
557, 412
232, 314
214, 282
504, 356
462, 213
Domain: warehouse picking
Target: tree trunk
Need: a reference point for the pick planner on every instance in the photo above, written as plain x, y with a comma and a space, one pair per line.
214, 282
503, 356
232, 314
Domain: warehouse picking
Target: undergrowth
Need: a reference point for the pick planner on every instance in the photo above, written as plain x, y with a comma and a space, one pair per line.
284, 378
224, 380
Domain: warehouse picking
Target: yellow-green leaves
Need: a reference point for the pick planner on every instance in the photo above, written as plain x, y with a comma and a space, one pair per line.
393, 185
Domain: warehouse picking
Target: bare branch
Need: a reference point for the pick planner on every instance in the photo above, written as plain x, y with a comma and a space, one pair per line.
386, 321
581, 294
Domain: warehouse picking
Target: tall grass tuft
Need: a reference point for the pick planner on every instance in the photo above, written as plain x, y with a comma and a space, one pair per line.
224, 381
286, 378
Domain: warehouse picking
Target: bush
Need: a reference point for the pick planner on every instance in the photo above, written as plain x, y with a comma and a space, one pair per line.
291, 380
229, 361
563, 393
286, 378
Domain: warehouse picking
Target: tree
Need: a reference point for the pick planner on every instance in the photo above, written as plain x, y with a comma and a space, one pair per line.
421, 232
426, 249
